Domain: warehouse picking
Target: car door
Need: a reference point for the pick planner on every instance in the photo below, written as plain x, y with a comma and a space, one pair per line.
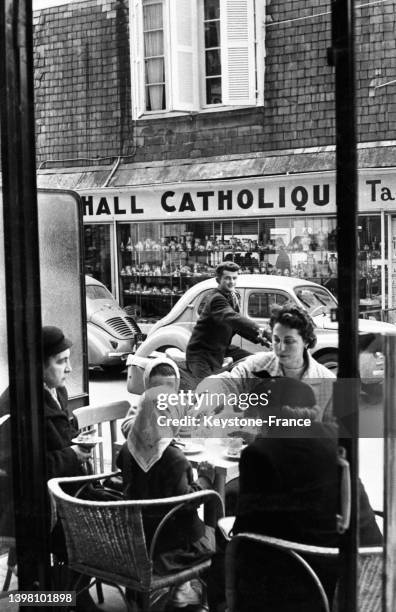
257, 305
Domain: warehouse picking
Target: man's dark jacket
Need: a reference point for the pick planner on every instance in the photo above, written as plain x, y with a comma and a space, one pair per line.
216, 326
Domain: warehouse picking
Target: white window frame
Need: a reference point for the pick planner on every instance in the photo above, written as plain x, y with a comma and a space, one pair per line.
198, 102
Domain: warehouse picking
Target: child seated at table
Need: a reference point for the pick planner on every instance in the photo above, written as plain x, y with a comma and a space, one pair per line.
154, 467
159, 371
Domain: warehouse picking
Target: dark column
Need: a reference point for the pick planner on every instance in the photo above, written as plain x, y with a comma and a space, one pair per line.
23, 292
347, 388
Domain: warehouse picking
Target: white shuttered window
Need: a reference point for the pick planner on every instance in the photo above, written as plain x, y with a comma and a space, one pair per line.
238, 46
190, 55
183, 50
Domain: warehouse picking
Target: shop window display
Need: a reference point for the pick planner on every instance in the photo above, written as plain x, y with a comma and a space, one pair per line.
97, 253
159, 261
369, 245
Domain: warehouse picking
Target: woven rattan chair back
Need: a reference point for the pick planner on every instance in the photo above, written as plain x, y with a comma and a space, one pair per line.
107, 540
97, 416
294, 568
369, 577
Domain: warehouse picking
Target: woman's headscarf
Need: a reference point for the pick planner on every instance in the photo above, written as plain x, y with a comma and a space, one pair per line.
159, 361
148, 438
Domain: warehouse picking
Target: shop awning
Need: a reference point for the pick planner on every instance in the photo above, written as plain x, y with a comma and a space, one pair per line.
370, 155
73, 178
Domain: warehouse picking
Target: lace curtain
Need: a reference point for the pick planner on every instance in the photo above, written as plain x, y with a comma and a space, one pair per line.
154, 55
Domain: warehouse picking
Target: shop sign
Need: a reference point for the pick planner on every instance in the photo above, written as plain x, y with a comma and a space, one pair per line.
286, 195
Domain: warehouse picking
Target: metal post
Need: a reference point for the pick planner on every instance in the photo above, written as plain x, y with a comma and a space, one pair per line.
347, 390
389, 585
23, 293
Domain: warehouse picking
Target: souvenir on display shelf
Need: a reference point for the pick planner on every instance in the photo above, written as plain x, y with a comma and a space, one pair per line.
160, 261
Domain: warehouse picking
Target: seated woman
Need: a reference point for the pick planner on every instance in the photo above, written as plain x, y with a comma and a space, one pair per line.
154, 467
289, 488
292, 335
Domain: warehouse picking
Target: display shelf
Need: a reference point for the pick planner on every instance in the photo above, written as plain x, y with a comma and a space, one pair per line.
143, 294
149, 277
175, 256
178, 252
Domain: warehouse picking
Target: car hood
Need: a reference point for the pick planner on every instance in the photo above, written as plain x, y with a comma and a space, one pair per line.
365, 325
102, 309
111, 318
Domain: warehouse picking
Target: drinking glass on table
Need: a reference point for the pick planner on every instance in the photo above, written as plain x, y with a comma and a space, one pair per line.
234, 446
86, 441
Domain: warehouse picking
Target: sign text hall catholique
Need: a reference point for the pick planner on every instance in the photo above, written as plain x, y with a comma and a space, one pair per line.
306, 194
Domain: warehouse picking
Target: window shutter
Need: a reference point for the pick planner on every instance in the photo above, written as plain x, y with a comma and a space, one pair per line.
237, 52
137, 58
183, 64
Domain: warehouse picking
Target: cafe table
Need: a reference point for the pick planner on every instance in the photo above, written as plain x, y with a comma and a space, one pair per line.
213, 450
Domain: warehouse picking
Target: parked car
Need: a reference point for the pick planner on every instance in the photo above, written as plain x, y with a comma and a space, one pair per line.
112, 333
258, 293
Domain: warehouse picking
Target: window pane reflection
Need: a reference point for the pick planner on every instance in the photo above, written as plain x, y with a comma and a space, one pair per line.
61, 301
212, 62
212, 34
212, 9
213, 91
97, 253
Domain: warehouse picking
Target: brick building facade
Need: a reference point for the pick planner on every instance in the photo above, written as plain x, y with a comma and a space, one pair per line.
89, 139
83, 85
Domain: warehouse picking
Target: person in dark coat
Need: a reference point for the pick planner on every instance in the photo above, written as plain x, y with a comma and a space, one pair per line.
289, 489
63, 457
220, 319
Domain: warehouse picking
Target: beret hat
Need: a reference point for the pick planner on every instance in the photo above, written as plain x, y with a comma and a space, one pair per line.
54, 341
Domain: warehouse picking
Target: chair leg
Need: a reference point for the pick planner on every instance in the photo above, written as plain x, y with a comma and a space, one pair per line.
131, 599
7, 580
145, 602
11, 562
99, 591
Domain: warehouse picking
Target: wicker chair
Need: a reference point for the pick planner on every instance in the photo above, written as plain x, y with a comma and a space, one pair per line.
370, 570
88, 416
106, 540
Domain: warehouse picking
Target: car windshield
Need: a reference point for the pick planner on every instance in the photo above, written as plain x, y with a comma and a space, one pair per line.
96, 292
316, 300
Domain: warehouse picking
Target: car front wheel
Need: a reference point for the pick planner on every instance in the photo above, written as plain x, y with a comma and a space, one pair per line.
329, 360
115, 370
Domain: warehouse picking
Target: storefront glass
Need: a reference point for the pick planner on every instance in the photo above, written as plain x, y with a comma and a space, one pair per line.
369, 247
60, 277
97, 252
159, 261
